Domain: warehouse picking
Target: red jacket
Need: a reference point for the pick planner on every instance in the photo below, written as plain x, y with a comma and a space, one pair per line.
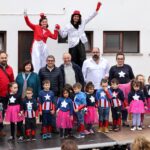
4, 81
38, 31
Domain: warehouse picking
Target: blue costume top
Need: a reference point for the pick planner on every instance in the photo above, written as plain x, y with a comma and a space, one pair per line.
46, 99
65, 104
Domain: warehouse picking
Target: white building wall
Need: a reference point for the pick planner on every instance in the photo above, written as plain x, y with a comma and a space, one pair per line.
121, 15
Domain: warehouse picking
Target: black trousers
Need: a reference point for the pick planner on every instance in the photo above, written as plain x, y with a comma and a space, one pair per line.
78, 54
116, 113
30, 123
19, 126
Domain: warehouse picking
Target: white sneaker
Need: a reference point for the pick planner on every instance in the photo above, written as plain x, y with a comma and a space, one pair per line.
133, 128
139, 128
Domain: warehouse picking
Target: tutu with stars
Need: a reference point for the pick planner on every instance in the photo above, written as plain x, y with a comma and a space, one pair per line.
63, 120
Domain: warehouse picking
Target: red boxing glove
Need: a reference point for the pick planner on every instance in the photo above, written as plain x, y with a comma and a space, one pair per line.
98, 6
57, 26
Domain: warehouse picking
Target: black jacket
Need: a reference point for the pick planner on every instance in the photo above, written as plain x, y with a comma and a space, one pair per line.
55, 77
78, 73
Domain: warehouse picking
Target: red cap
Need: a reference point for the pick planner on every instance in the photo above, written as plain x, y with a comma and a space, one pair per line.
76, 12
42, 15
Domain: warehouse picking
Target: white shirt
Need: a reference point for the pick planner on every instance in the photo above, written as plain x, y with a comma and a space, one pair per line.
75, 35
95, 72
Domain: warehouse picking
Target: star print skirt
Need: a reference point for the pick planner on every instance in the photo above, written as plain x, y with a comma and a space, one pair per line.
63, 120
91, 116
136, 106
12, 114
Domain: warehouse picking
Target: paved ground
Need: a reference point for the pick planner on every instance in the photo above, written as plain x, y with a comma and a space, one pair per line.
98, 140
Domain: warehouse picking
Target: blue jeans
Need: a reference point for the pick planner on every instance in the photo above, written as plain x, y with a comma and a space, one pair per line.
103, 113
80, 117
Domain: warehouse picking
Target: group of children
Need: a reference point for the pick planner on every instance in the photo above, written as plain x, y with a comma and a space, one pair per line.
74, 106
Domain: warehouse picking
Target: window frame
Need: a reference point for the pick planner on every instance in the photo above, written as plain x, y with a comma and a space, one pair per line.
121, 49
4, 38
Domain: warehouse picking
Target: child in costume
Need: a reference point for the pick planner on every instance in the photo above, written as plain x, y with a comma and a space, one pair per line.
116, 104
39, 50
136, 108
30, 108
91, 115
103, 98
47, 109
64, 119
14, 112
79, 108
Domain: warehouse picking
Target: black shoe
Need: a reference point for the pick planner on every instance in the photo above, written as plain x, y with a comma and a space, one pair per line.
125, 125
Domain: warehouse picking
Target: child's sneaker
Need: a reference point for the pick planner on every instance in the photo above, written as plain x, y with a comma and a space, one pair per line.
28, 139
91, 131
133, 128
44, 136
11, 138
49, 136
86, 132
33, 138
79, 136
139, 128
20, 139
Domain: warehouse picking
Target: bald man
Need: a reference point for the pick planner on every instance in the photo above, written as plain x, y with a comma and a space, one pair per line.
95, 68
71, 72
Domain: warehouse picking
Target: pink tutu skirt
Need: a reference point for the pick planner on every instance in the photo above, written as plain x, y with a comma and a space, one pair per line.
91, 116
12, 114
63, 120
136, 106
125, 88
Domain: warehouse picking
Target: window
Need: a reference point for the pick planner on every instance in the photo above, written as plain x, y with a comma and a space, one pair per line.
88, 46
2, 40
124, 41
25, 39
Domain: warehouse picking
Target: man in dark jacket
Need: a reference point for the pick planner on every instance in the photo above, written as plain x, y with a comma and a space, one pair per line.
53, 74
6, 76
71, 72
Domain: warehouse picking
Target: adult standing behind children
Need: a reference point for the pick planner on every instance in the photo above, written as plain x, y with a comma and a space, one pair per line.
124, 74
53, 74
6, 76
76, 35
95, 68
71, 72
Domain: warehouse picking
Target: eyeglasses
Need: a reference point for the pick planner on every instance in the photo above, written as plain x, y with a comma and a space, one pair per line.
120, 58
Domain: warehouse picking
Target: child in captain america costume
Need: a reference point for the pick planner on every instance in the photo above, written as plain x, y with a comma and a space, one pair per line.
79, 108
116, 104
30, 108
47, 109
39, 51
64, 119
103, 98
91, 115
